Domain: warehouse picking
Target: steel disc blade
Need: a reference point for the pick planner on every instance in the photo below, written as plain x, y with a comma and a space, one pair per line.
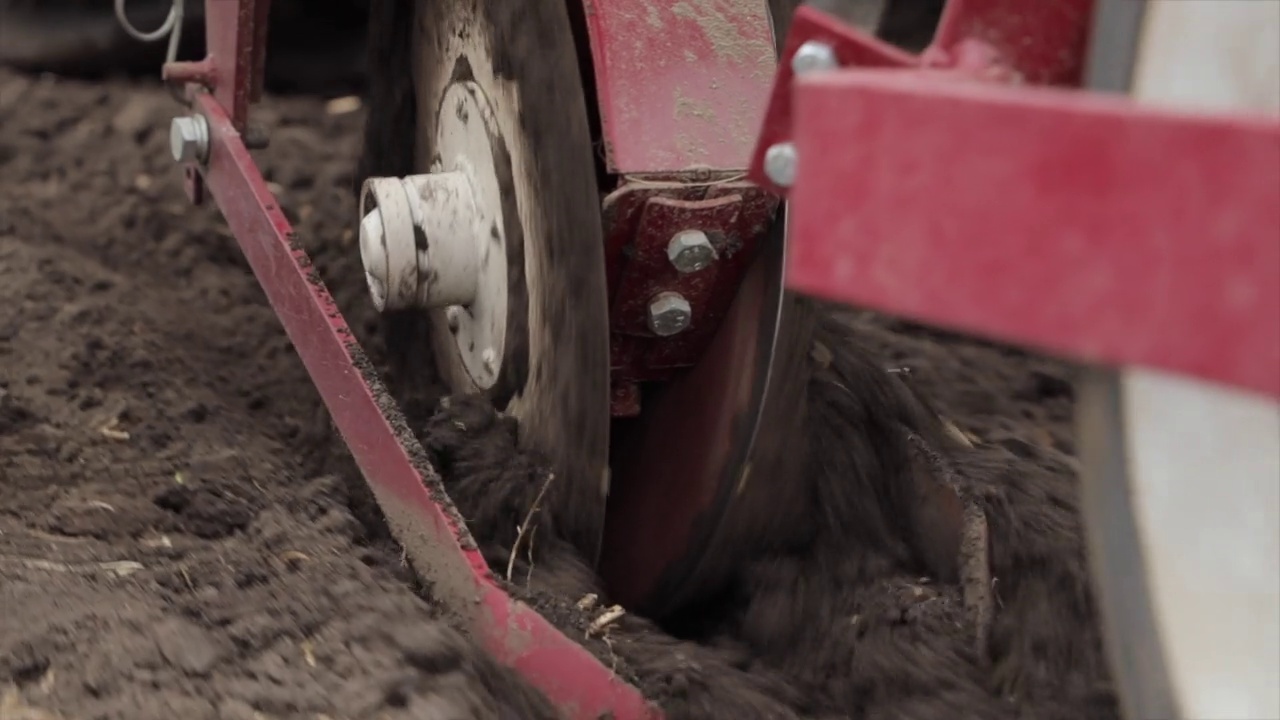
677, 468
554, 372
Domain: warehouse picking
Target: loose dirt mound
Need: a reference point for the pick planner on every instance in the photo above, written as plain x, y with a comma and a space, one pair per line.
182, 536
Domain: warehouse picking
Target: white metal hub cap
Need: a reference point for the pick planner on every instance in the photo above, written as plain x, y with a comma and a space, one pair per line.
436, 241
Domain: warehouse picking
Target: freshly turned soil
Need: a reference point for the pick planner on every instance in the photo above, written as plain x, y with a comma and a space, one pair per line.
183, 536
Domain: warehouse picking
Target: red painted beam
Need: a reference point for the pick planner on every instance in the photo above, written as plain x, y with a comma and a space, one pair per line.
1083, 225
1009, 41
681, 86
388, 455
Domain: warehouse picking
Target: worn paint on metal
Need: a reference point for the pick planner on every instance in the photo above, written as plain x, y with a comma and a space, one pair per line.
641, 217
681, 84
1076, 223
997, 40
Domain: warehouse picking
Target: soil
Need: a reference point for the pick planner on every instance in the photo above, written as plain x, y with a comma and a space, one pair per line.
183, 535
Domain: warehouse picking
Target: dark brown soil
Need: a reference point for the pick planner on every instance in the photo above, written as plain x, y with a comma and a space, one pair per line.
179, 537
182, 536
846, 621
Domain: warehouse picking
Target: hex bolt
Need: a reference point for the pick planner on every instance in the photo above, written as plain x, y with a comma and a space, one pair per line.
189, 139
690, 251
452, 315
814, 56
490, 359
780, 163
669, 314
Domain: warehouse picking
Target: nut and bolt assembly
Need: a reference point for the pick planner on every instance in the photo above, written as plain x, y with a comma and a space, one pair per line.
690, 251
780, 160
189, 139
669, 314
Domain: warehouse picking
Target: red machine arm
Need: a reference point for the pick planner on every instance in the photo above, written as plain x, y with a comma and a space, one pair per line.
1087, 226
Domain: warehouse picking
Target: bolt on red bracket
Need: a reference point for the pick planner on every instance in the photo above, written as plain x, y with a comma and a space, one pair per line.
1002, 40
417, 509
1084, 225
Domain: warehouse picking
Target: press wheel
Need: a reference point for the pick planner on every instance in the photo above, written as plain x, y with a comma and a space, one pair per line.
513, 67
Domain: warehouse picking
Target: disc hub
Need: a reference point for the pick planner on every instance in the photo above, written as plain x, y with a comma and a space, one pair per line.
437, 241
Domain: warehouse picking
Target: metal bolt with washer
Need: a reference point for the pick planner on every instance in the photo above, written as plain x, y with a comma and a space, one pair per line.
189, 138
690, 251
669, 314
780, 163
813, 56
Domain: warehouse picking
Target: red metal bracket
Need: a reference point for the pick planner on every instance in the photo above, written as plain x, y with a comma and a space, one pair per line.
1083, 225
236, 40
680, 85
232, 69
1005, 40
641, 217
680, 89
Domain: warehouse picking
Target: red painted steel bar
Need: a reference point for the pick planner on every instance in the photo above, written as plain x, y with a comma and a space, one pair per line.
1080, 224
852, 48
434, 538
681, 85
1010, 41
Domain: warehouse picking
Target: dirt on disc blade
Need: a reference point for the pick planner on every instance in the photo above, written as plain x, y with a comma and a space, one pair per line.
555, 373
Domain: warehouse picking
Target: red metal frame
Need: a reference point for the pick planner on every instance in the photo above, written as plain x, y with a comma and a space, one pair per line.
680, 85
1004, 40
640, 219
236, 39
1074, 223
945, 270
1087, 226
434, 536
680, 89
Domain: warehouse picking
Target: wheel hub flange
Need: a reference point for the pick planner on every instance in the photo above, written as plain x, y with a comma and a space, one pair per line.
436, 241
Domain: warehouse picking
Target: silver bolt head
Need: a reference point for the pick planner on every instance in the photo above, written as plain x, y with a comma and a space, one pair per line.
780, 164
490, 359
690, 251
189, 138
669, 314
814, 56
